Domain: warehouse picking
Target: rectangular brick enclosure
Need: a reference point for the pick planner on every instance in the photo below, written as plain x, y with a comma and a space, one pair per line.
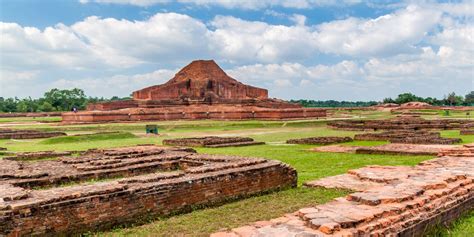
100, 189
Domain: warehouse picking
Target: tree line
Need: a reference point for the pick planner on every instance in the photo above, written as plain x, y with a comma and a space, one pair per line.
53, 100
448, 100
66, 100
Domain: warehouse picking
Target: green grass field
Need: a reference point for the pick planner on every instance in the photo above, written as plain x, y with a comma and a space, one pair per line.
202, 221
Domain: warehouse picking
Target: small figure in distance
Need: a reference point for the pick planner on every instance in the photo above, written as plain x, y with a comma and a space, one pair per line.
74, 109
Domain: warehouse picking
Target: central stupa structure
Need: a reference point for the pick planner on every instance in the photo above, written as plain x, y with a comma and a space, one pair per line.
201, 90
201, 80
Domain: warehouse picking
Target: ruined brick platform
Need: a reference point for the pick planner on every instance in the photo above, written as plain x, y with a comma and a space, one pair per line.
467, 132
401, 123
389, 201
201, 90
319, 140
212, 141
27, 134
407, 136
57, 197
388, 149
36, 155
404, 149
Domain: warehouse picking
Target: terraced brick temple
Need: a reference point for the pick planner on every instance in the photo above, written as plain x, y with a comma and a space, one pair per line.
100, 189
201, 90
388, 201
213, 141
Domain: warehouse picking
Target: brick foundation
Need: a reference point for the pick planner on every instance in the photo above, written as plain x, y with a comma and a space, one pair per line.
27, 134
319, 140
467, 132
213, 141
401, 123
195, 112
390, 201
191, 180
407, 136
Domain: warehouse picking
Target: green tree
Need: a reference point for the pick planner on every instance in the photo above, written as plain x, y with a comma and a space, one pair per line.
22, 106
469, 99
407, 97
65, 100
46, 107
452, 99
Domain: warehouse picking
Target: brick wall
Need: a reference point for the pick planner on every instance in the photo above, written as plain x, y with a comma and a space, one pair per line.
202, 180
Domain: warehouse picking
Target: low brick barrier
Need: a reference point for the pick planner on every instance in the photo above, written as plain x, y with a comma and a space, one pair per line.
467, 132
33, 115
37, 155
407, 136
402, 149
402, 123
27, 134
194, 112
211, 141
389, 201
30, 206
319, 140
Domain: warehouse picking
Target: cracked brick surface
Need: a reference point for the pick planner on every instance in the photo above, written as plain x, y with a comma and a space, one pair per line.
389, 201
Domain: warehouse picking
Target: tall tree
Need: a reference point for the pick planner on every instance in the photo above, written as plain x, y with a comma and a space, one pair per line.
469, 99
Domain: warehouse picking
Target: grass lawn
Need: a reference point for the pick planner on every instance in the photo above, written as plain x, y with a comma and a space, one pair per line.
201, 222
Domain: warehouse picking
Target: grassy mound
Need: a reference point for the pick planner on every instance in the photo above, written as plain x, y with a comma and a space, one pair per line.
89, 138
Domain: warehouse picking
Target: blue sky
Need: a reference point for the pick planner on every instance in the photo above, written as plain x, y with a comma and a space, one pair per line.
342, 50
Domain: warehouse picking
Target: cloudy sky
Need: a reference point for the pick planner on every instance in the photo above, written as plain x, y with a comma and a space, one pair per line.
341, 50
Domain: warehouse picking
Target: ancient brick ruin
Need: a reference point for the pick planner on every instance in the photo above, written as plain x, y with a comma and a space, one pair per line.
69, 195
389, 201
212, 141
401, 123
27, 134
201, 90
388, 149
467, 132
407, 136
319, 140
37, 155
403, 149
